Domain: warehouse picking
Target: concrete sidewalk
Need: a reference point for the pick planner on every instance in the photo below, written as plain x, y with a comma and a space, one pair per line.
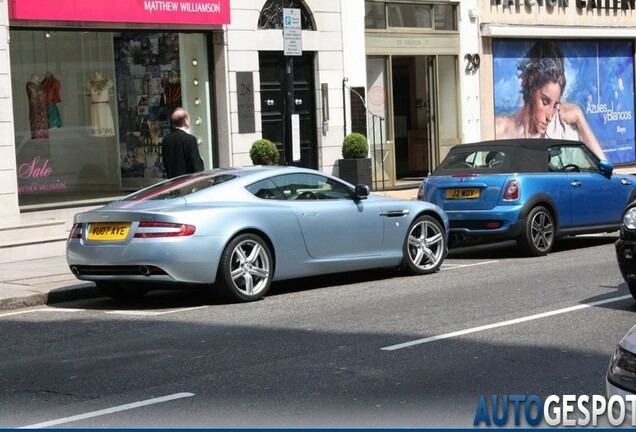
41, 281
49, 280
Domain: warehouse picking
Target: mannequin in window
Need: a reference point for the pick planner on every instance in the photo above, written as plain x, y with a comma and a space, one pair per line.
99, 89
52, 87
37, 108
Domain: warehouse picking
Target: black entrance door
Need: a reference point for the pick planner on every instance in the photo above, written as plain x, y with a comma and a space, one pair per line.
287, 87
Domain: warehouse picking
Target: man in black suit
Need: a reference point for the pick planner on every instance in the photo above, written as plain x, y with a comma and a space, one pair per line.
180, 151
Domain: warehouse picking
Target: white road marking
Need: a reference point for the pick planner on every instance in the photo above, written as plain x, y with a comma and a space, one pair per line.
116, 312
454, 266
23, 312
108, 411
152, 313
503, 323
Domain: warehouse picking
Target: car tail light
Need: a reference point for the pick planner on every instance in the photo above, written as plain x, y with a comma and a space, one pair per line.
76, 231
511, 193
163, 229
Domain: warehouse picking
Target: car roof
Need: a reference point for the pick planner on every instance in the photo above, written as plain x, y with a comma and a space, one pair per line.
526, 143
524, 155
252, 170
257, 171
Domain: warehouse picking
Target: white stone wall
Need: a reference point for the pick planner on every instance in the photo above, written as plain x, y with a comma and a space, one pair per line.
8, 175
470, 100
339, 44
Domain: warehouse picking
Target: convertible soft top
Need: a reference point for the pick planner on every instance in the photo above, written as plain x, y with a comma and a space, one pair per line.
509, 155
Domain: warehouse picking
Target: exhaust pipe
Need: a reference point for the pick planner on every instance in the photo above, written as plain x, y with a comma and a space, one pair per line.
144, 270
75, 270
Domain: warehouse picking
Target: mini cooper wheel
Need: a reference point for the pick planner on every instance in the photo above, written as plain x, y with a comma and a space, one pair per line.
537, 236
424, 246
245, 270
121, 291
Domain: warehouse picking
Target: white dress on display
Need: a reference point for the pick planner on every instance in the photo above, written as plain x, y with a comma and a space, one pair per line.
100, 89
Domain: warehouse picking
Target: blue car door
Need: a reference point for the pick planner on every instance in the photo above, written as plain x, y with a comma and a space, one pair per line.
597, 199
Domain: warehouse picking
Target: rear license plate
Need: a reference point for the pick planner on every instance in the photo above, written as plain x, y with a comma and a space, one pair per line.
463, 193
108, 231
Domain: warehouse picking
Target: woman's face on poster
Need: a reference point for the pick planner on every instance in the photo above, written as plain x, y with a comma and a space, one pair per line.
545, 104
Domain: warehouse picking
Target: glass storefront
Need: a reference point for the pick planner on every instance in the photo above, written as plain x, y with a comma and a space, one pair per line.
412, 83
91, 108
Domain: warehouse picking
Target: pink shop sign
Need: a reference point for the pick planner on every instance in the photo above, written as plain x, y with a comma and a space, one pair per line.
200, 12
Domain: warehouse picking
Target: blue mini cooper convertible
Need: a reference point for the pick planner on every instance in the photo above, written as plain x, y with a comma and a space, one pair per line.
530, 190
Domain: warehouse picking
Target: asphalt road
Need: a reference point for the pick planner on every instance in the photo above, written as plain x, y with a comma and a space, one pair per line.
369, 349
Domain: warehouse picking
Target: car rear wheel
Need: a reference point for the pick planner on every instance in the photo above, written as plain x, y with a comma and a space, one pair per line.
537, 236
424, 246
121, 291
245, 270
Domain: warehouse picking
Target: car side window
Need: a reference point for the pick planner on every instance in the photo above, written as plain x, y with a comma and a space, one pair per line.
266, 189
571, 158
311, 187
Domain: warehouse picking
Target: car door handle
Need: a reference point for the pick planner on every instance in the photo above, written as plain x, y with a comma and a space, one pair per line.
395, 213
625, 181
576, 184
310, 213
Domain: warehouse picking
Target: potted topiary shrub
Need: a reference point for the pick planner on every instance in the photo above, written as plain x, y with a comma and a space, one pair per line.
264, 152
355, 165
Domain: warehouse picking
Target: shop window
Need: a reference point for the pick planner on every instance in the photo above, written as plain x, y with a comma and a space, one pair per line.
91, 109
445, 17
375, 16
429, 16
409, 15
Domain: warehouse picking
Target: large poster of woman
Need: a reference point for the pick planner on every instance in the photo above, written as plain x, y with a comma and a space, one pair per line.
582, 90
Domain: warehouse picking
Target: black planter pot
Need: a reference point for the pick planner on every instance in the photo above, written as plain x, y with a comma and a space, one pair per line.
355, 171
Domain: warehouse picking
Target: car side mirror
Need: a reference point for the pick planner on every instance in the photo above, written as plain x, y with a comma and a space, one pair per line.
606, 167
361, 192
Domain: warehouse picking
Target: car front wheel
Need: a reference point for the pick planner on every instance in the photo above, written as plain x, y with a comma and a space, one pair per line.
537, 237
245, 270
424, 246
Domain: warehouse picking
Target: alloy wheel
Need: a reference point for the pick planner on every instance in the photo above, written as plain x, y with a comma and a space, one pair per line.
250, 267
542, 231
426, 244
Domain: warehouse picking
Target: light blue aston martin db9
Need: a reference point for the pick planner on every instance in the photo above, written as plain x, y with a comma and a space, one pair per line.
239, 229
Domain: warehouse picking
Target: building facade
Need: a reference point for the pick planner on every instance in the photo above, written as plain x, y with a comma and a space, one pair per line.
86, 93
413, 84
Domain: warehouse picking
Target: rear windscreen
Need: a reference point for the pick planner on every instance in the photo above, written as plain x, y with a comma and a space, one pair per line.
481, 161
179, 187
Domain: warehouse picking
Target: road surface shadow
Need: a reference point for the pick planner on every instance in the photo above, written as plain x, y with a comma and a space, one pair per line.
509, 249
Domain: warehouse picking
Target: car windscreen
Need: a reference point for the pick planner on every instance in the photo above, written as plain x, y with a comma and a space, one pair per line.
179, 187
